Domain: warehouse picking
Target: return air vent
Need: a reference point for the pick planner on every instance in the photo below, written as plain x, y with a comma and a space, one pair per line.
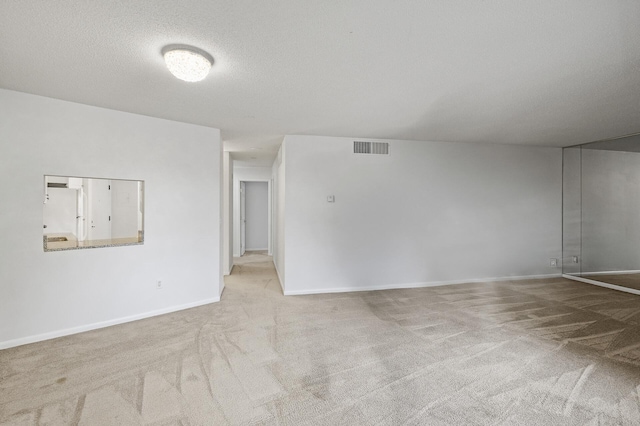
57, 185
370, 148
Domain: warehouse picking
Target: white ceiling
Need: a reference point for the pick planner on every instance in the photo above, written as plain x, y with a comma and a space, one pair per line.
538, 72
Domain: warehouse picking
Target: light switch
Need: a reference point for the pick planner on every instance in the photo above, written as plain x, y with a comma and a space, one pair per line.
331, 199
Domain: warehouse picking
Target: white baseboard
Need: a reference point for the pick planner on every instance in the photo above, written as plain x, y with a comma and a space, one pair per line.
416, 285
279, 278
227, 273
75, 330
257, 249
608, 272
231, 270
602, 284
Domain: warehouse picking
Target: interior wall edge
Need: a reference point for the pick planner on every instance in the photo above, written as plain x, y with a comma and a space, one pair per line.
102, 324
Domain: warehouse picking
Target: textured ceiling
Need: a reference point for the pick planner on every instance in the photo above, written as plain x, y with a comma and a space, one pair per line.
538, 72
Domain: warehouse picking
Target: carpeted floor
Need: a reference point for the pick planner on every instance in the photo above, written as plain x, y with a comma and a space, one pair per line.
540, 352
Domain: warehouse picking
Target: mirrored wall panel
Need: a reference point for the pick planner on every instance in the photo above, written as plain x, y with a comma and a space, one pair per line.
84, 212
601, 212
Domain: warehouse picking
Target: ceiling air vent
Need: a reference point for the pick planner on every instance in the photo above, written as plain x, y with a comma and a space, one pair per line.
57, 185
370, 147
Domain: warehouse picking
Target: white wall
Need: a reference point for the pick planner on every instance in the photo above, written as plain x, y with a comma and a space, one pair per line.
610, 211
277, 221
257, 215
428, 213
247, 174
227, 214
48, 294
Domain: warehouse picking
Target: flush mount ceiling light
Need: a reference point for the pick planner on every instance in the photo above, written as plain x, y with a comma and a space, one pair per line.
186, 62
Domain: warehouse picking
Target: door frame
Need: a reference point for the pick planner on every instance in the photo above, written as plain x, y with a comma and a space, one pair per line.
243, 217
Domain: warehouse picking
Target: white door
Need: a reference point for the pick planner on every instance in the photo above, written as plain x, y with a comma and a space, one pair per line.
99, 209
256, 206
271, 216
243, 219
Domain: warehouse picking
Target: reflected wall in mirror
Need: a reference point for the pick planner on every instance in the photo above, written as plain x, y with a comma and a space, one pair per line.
82, 212
601, 213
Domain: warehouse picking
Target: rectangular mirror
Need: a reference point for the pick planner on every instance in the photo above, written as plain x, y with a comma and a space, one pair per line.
84, 212
601, 213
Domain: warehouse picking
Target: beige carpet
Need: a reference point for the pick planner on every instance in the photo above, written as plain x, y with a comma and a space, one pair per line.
540, 352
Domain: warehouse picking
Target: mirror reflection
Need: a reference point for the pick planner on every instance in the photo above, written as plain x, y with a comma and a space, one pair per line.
601, 212
84, 212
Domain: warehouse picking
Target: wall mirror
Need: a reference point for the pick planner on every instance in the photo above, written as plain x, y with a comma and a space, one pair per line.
82, 212
601, 213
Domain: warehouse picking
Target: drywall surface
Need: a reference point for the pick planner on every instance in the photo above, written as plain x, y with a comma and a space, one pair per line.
257, 215
54, 293
247, 174
278, 172
427, 213
610, 211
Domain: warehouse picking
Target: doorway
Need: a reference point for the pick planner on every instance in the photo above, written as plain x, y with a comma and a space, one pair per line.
99, 194
251, 213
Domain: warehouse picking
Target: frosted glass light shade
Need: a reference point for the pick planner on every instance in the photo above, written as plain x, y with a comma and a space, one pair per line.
187, 64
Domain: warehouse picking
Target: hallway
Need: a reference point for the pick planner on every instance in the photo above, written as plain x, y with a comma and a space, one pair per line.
254, 272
